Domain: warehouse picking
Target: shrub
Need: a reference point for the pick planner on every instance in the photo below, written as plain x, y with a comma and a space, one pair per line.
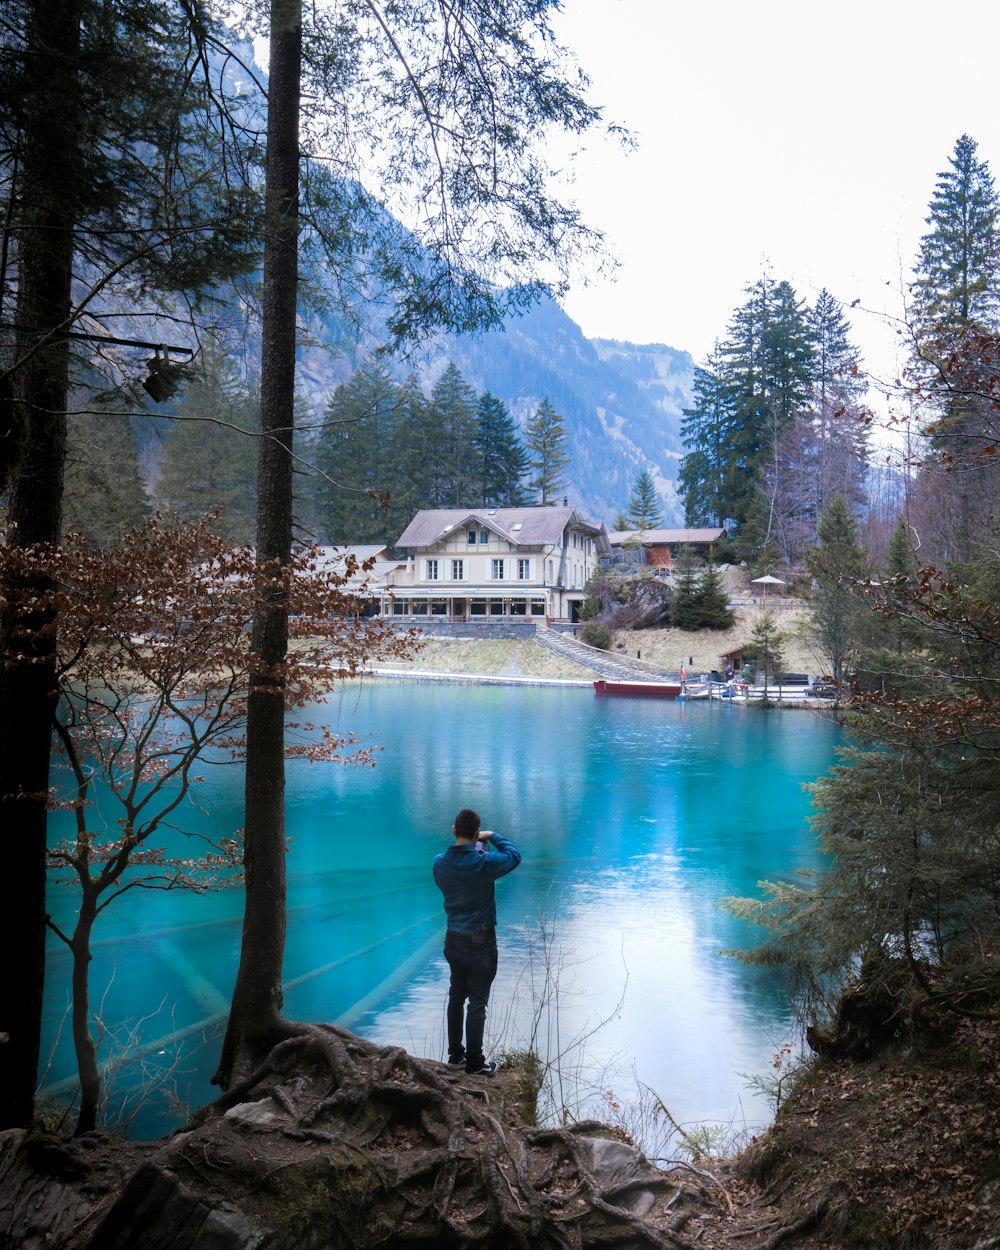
594, 634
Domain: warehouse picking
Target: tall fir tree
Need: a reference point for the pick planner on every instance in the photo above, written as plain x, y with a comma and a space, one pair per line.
644, 508
209, 460
707, 476
839, 387
759, 381
548, 453
840, 616
104, 494
454, 406
357, 476
685, 609
956, 315
899, 570
957, 273
501, 459
713, 601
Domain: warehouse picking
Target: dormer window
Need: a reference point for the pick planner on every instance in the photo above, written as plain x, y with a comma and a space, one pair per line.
484, 537
472, 538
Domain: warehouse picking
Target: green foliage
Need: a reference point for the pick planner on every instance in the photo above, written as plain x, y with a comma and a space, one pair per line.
594, 634
764, 647
547, 445
685, 609
501, 461
356, 454
384, 451
209, 460
104, 494
644, 510
840, 614
699, 599
771, 433
454, 408
909, 819
713, 600
957, 281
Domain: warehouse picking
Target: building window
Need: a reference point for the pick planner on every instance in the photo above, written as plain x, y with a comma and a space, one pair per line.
523, 570
439, 607
401, 607
484, 537
496, 607
472, 538
419, 607
477, 607
458, 570
432, 571
497, 567
538, 607
518, 607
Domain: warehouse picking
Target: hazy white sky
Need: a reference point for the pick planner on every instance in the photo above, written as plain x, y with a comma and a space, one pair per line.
800, 135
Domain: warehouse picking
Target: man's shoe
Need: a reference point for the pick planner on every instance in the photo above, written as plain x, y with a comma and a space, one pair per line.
486, 1068
457, 1063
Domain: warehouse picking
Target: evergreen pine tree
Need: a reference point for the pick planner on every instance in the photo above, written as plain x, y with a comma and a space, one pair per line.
644, 510
713, 601
899, 569
839, 386
759, 381
708, 476
104, 494
210, 452
685, 606
547, 443
455, 414
957, 282
840, 615
412, 457
956, 312
501, 458
357, 475
766, 643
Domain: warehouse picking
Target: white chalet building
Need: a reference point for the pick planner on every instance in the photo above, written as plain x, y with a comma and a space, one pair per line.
493, 566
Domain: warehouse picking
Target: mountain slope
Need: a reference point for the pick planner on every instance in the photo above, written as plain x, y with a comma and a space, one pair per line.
621, 402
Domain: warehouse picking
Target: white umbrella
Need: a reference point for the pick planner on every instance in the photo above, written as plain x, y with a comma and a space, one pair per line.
767, 580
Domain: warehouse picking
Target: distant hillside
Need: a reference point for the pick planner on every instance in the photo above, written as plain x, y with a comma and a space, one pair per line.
621, 402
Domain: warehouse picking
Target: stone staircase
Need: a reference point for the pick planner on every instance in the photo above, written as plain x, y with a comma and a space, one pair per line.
606, 663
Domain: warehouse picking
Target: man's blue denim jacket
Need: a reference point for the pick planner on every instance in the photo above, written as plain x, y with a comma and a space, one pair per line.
465, 876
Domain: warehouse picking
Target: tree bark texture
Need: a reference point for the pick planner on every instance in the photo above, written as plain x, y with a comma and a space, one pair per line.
335, 1141
255, 1020
44, 235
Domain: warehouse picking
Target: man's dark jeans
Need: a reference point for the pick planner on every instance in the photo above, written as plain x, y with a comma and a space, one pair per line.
472, 958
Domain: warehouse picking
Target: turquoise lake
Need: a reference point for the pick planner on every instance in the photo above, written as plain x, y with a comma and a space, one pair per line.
634, 816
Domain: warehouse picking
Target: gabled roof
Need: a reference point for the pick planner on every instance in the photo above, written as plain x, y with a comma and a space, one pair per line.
525, 526
651, 537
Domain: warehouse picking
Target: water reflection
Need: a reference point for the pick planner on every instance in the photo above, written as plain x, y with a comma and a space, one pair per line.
634, 816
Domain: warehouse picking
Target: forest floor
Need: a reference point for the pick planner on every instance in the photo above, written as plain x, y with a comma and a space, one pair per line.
899, 1152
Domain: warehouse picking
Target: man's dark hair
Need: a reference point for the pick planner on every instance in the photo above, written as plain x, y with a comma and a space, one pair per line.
467, 823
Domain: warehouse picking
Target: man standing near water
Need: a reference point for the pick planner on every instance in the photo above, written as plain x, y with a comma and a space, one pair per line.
465, 874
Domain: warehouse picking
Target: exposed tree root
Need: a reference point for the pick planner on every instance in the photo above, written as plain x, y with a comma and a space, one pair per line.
337, 1142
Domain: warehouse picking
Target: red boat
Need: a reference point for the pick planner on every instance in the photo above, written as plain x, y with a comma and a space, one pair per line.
650, 689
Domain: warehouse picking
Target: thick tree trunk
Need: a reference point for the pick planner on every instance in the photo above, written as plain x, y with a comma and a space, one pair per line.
44, 230
255, 1021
